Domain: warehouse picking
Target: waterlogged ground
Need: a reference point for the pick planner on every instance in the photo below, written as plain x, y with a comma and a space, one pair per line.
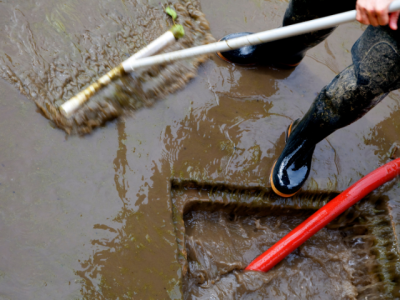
51, 51
219, 246
90, 217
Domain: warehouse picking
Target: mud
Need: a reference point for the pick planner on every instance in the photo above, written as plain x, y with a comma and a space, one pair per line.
91, 218
51, 52
218, 244
225, 228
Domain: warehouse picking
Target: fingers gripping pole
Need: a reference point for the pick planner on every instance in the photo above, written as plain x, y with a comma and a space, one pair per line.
70, 106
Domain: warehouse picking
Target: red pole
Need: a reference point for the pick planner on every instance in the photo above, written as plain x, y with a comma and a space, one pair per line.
324, 215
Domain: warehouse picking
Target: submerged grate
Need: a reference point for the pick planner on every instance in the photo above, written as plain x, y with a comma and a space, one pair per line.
221, 228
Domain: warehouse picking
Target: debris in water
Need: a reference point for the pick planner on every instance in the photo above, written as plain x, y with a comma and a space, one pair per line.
72, 58
171, 12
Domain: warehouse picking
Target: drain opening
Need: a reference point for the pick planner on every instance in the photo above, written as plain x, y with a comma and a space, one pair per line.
223, 229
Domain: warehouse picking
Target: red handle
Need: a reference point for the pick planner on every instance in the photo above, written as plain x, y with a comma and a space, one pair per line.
324, 215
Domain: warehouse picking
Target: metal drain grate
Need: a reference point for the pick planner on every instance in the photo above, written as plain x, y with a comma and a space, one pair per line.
377, 274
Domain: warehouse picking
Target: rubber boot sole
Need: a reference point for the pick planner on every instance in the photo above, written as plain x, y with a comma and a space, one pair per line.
227, 60
288, 132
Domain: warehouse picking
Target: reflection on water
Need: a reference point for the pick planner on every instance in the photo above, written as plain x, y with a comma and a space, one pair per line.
221, 142
224, 141
121, 163
127, 265
215, 138
385, 136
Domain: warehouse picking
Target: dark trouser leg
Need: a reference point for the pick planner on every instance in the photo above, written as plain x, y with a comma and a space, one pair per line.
351, 94
291, 51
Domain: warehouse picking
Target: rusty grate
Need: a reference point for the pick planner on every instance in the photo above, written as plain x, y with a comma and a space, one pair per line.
366, 229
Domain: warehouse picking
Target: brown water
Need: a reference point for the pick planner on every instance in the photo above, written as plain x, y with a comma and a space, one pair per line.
91, 217
51, 51
225, 227
218, 243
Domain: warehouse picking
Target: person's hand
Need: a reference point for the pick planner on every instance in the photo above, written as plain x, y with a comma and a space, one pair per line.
376, 12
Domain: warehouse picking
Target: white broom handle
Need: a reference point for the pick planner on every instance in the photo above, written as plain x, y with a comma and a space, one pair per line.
157, 45
253, 39
69, 107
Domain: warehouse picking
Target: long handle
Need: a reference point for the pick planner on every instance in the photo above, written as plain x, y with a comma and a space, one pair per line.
254, 39
70, 106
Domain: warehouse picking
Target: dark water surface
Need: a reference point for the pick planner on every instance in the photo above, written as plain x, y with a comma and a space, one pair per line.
91, 217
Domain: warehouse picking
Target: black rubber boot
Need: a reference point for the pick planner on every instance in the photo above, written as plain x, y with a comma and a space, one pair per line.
294, 164
374, 73
258, 55
289, 52
292, 168
242, 56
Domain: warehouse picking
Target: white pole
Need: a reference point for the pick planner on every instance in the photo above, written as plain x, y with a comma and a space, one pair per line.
253, 39
141, 59
70, 106
157, 45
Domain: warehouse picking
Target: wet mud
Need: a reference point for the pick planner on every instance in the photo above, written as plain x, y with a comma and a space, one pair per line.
226, 228
103, 216
51, 53
218, 244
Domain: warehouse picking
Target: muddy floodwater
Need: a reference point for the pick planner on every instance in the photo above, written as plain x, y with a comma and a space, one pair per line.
323, 266
224, 227
52, 50
171, 200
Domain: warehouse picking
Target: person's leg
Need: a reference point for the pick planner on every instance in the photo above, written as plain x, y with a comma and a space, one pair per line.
351, 94
290, 51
